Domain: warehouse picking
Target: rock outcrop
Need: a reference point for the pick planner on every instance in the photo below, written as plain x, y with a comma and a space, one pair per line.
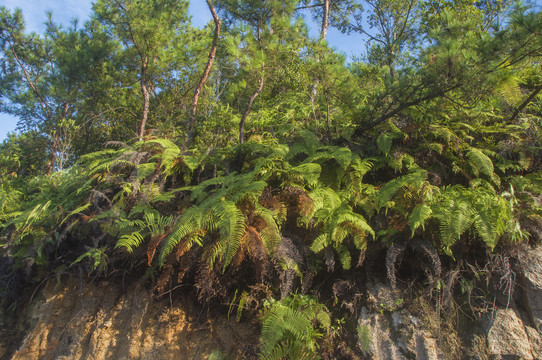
76, 320
390, 332
100, 321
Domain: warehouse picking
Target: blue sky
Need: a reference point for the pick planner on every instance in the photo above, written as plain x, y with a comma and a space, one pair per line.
64, 11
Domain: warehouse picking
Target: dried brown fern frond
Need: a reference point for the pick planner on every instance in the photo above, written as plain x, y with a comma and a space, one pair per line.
208, 284
164, 278
153, 244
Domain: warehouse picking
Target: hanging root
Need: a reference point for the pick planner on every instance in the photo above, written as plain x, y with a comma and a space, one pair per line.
434, 272
451, 280
393, 254
396, 251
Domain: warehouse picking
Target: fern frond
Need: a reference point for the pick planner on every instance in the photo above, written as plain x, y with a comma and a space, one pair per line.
436, 147
492, 216
418, 217
188, 223
270, 235
384, 141
342, 155
388, 190
480, 162
325, 201
124, 223
290, 349
361, 167
348, 218
304, 173
232, 229
344, 256
145, 170
454, 221
400, 161
130, 241
251, 189
282, 321
441, 132
297, 319
80, 209
509, 89
320, 243
308, 145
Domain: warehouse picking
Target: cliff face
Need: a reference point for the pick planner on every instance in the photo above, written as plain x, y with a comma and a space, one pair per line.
101, 321
508, 328
74, 319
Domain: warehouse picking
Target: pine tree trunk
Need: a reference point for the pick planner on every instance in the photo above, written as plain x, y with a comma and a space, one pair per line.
249, 108
192, 122
526, 102
325, 21
146, 100
323, 35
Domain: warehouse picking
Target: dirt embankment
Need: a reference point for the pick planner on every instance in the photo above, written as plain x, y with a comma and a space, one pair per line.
81, 320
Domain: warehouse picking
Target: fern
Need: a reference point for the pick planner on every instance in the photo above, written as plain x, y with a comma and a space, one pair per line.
217, 212
338, 222
390, 189
270, 234
455, 216
304, 173
509, 89
480, 163
289, 327
384, 141
170, 158
459, 209
232, 229
343, 156
419, 216
307, 143
97, 257
492, 216
130, 241
290, 349
152, 224
189, 223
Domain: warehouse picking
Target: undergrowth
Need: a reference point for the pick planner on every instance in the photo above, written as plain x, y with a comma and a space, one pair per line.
266, 226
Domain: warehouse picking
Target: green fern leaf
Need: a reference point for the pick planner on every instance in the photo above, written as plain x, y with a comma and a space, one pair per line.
344, 256
480, 162
130, 241
418, 217
388, 190
305, 173
384, 141
186, 225
510, 91
232, 229
320, 243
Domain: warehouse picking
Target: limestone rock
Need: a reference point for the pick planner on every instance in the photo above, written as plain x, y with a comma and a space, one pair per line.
507, 336
531, 264
389, 332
